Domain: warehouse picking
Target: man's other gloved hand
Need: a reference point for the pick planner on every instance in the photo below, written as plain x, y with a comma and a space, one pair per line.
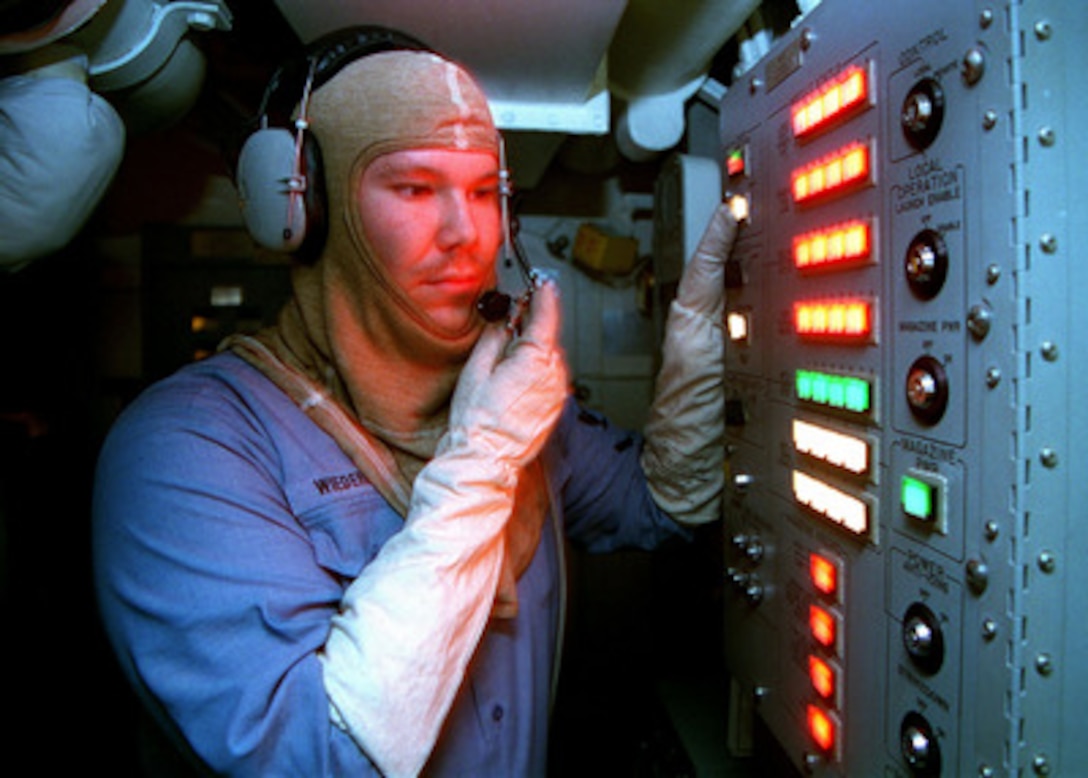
684, 457
702, 286
513, 387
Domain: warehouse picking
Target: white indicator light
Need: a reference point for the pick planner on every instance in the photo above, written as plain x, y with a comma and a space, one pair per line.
737, 325
835, 505
835, 448
738, 206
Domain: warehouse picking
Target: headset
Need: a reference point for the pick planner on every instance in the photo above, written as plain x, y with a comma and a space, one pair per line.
279, 176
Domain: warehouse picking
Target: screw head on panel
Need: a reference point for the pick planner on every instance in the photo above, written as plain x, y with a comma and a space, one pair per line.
973, 65
978, 575
1044, 664
978, 321
1040, 764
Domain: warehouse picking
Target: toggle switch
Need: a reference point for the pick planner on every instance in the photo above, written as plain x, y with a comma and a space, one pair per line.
927, 390
922, 113
923, 638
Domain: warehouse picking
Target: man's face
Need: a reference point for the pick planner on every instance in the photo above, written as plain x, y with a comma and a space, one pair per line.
433, 219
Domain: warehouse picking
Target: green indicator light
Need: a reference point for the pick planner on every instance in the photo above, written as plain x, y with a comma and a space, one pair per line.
836, 392
857, 395
917, 498
804, 385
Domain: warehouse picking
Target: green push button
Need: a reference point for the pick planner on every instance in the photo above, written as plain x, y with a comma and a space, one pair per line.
918, 499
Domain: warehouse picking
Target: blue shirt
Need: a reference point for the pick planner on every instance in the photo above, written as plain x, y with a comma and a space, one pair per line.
227, 526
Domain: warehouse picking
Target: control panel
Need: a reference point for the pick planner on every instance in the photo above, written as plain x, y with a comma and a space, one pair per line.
906, 448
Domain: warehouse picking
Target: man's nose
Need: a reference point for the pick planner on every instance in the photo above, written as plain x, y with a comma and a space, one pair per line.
458, 225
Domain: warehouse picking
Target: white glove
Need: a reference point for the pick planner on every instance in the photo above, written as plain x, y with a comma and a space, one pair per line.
512, 390
684, 453
397, 652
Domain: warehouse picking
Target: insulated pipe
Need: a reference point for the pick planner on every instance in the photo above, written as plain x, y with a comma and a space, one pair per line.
659, 57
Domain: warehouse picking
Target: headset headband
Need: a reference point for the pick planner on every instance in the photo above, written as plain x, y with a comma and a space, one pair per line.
322, 59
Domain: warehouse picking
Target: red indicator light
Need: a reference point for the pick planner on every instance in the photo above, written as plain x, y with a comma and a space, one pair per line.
822, 626
841, 171
840, 319
821, 728
824, 575
735, 162
842, 245
822, 677
833, 101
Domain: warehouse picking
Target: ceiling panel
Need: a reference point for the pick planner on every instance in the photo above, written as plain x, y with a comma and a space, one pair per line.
521, 50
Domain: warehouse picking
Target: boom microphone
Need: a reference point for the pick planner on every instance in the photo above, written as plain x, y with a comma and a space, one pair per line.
493, 305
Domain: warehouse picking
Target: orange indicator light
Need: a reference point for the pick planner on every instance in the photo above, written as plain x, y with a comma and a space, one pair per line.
821, 624
839, 319
822, 728
842, 245
843, 170
824, 575
822, 677
833, 101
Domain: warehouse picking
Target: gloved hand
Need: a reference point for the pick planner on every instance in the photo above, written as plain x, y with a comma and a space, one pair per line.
684, 453
512, 388
702, 285
408, 625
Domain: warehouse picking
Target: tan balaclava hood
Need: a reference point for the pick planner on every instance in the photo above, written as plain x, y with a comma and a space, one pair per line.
349, 327
350, 347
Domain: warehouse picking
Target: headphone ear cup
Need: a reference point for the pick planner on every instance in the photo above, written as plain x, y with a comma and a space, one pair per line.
267, 164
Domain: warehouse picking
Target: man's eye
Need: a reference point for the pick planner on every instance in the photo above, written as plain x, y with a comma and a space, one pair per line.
485, 193
412, 191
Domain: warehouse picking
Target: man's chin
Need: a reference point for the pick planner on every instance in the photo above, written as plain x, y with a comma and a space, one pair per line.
459, 323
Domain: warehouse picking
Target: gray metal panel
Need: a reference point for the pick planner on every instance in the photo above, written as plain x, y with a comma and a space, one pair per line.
999, 183
1053, 230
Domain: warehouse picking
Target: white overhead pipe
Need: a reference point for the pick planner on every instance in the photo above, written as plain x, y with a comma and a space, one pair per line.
659, 57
